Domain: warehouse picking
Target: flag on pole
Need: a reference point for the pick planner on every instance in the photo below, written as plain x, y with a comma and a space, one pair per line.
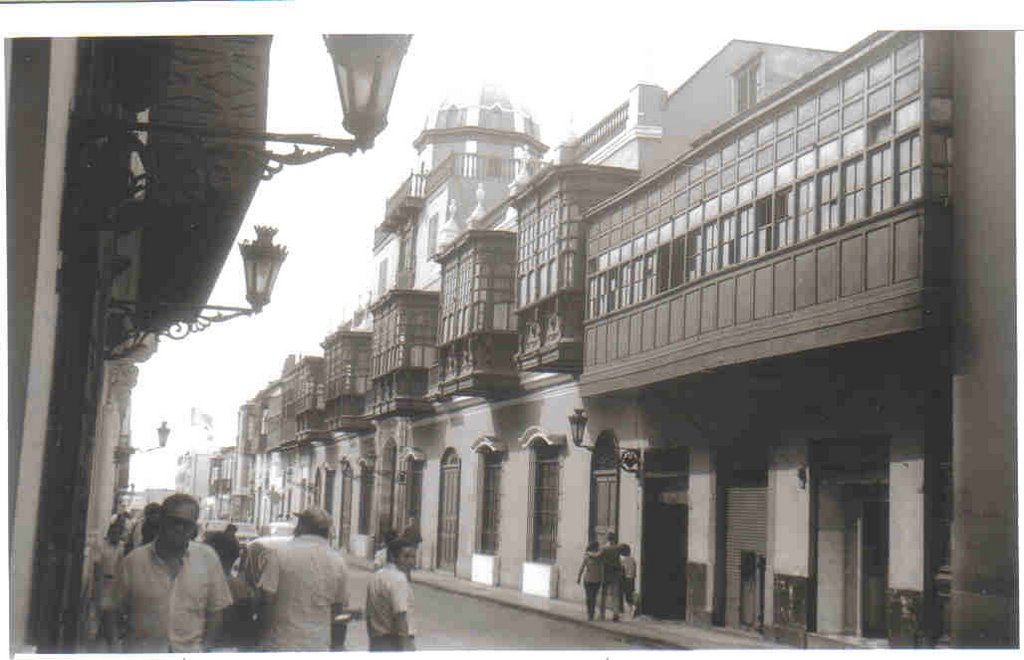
203, 420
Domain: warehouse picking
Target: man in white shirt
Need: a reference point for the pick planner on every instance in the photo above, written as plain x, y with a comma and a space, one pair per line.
304, 586
173, 590
389, 601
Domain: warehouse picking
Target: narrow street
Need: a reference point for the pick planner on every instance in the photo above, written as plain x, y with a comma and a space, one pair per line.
447, 621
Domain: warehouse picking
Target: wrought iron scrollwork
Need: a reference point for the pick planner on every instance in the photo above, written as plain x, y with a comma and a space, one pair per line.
184, 167
139, 325
630, 460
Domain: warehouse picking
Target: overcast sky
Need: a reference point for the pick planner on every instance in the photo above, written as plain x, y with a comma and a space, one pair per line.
569, 64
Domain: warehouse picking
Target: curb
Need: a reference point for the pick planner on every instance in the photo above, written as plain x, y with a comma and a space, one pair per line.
630, 636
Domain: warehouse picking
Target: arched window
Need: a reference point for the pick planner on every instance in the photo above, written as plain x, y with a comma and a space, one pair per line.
546, 472
490, 501
604, 487
345, 526
385, 513
365, 496
413, 488
448, 511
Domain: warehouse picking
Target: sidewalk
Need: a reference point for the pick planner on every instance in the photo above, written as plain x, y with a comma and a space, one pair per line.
664, 634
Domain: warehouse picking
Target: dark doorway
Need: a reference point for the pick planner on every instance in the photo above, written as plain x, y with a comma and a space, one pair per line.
345, 526
874, 568
663, 562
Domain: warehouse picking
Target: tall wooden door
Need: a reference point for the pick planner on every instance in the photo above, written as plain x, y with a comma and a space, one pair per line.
345, 527
604, 489
448, 512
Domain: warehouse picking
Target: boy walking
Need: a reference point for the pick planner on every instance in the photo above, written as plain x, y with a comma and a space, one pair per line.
389, 601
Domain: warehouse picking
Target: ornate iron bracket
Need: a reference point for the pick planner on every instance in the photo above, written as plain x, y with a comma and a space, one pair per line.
191, 319
117, 163
627, 460
253, 142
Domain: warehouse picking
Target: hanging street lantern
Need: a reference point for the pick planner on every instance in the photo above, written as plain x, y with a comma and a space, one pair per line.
262, 259
162, 432
366, 67
577, 424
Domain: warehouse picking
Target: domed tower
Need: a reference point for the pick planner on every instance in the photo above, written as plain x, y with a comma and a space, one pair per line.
471, 149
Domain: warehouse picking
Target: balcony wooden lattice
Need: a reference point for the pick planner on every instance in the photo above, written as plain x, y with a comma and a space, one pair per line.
549, 262
404, 348
347, 380
477, 334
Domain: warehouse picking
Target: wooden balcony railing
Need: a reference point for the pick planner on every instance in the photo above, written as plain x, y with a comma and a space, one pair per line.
863, 280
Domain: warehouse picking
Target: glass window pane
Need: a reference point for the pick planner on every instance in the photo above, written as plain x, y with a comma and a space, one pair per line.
828, 99
878, 100
784, 173
786, 121
853, 113
784, 147
765, 183
805, 164
907, 84
828, 153
853, 85
805, 137
828, 125
747, 143
879, 130
879, 71
766, 133
729, 199
907, 116
806, 112
745, 192
729, 152
853, 141
908, 54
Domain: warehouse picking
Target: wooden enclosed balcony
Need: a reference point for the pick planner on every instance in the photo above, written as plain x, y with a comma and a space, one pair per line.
477, 335
549, 262
551, 337
858, 282
347, 379
404, 348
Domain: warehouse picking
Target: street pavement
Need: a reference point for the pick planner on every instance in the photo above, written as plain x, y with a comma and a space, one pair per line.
448, 621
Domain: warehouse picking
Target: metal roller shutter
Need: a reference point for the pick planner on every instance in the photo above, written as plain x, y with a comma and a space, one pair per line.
746, 510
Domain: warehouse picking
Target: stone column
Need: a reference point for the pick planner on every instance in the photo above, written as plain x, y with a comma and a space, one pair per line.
700, 536
789, 552
120, 376
906, 542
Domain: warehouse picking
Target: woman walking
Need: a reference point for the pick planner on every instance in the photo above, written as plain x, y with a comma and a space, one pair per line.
590, 573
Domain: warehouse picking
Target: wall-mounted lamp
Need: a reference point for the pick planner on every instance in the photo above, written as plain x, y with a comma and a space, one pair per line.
261, 261
801, 475
628, 460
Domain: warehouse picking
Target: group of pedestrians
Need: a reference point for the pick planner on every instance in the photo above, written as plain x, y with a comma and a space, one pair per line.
159, 590
608, 575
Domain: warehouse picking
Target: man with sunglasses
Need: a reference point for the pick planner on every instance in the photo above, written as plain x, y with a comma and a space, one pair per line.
173, 589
